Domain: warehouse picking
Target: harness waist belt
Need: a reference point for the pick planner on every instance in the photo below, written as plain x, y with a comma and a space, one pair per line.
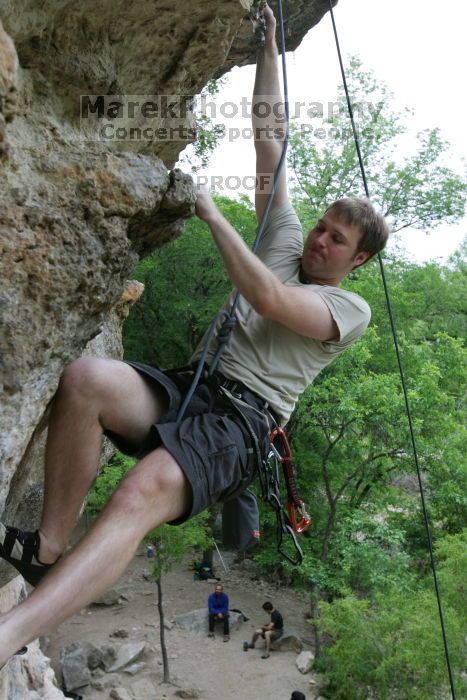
240, 391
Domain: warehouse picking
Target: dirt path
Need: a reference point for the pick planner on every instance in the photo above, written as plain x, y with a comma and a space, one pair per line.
215, 669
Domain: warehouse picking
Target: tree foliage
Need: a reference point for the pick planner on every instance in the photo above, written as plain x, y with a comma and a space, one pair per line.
107, 482
391, 648
416, 191
351, 440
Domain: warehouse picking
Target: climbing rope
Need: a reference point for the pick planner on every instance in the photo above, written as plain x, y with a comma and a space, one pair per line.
399, 363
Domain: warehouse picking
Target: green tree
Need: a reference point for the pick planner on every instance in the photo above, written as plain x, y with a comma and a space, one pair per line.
171, 546
351, 440
417, 191
392, 647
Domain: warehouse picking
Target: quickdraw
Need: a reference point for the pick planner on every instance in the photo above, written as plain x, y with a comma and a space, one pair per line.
286, 523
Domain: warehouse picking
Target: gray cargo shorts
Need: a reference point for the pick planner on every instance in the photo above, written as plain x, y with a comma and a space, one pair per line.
211, 444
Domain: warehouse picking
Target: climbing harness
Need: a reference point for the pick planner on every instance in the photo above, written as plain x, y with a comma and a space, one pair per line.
399, 363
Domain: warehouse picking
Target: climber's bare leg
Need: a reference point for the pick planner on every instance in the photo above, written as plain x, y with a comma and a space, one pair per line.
154, 491
94, 394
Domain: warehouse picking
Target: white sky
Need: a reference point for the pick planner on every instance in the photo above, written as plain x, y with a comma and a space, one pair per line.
416, 47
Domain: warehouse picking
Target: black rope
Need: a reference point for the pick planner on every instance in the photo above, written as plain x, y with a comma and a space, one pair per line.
400, 365
229, 317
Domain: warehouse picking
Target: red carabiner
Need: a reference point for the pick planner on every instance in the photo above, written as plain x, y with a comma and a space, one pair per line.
286, 454
305, 520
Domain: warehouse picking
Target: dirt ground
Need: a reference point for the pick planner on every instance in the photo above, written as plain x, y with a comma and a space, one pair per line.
215, 670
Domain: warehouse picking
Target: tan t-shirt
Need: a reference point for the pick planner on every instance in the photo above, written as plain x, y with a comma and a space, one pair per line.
269, 358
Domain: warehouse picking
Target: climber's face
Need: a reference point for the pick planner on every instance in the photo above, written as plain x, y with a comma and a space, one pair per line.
330, 251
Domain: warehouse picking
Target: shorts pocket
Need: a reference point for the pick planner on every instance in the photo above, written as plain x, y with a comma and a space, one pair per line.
225, 472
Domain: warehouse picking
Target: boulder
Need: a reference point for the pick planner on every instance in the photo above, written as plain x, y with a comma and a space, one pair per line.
197, 621
109, 654
304, 661
127, 654
290, 641
120, 693
29, 677
76, 662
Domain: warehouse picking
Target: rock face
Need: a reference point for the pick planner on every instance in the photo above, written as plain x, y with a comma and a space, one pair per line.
78, 210
67, 249
25, 494
27, 677
8, 71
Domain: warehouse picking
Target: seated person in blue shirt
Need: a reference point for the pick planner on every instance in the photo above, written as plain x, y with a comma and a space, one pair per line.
218, 608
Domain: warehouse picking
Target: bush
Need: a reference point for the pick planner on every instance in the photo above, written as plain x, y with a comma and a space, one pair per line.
392, 648
107, 482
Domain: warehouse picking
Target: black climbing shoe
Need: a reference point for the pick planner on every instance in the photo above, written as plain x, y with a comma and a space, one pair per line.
21, 550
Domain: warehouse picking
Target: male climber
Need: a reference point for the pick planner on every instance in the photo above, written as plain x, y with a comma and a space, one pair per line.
292, 320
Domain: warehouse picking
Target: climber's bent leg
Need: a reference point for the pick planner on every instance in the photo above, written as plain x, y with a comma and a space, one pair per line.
94, 395
153, 492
